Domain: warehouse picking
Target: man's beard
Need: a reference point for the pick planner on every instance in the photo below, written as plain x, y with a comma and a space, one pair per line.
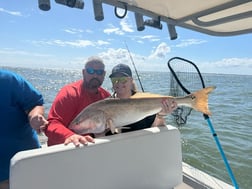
93, 83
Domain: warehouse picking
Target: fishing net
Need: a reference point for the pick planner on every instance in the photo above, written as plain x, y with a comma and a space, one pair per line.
183, 76
181, 113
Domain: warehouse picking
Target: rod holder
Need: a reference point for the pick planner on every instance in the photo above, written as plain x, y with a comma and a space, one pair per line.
44, 5
172, 31
98, 10
139, 22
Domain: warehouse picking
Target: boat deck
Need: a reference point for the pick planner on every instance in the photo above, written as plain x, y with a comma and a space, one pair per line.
195, 179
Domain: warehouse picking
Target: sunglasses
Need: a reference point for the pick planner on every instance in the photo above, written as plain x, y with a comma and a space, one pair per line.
122, 80
93, 71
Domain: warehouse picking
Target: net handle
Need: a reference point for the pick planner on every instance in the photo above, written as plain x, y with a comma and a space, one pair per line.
205, 116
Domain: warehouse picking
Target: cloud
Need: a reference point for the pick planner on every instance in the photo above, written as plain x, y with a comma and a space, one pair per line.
73, 31
188, 42
148, 36
112, 29
144, 38
234, 62
101, 42
115, 56
161, 51
77, 43
152, 38
14, 53
126, 27
228, 66
227, 63
13, 13
112, 57
74, 43
89, 31
158, 62
21, 58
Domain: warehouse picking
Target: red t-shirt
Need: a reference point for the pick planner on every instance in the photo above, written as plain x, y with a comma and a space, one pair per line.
69, 102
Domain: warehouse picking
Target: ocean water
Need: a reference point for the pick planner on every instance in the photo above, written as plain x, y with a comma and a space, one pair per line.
230, 104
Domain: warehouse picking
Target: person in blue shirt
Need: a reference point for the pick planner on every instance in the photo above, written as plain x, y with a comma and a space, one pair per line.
21, 117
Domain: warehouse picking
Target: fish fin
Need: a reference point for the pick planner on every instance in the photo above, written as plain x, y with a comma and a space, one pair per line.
117, 130
111, 126
201, 102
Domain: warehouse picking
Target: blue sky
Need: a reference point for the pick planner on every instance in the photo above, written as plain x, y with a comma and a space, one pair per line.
65, 37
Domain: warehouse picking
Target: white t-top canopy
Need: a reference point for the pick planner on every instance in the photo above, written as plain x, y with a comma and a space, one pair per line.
214, 17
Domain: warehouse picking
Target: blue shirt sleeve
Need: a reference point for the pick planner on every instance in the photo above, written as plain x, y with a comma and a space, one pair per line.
17, 96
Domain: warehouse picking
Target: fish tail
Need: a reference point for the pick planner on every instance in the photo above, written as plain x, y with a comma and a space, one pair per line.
201, 100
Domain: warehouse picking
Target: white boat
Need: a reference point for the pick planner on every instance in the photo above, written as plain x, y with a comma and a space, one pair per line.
150, 158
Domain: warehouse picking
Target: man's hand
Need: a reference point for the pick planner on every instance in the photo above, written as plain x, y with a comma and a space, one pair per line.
79, 139
38, 122
36, 118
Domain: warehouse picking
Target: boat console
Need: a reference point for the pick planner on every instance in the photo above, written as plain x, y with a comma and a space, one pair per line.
149, 158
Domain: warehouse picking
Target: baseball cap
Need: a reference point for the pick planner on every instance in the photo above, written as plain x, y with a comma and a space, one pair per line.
121, 69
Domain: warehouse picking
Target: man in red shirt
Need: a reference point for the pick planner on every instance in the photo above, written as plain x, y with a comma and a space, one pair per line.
70, 101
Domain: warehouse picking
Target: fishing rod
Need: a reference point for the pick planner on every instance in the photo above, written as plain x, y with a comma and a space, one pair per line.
132, 61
